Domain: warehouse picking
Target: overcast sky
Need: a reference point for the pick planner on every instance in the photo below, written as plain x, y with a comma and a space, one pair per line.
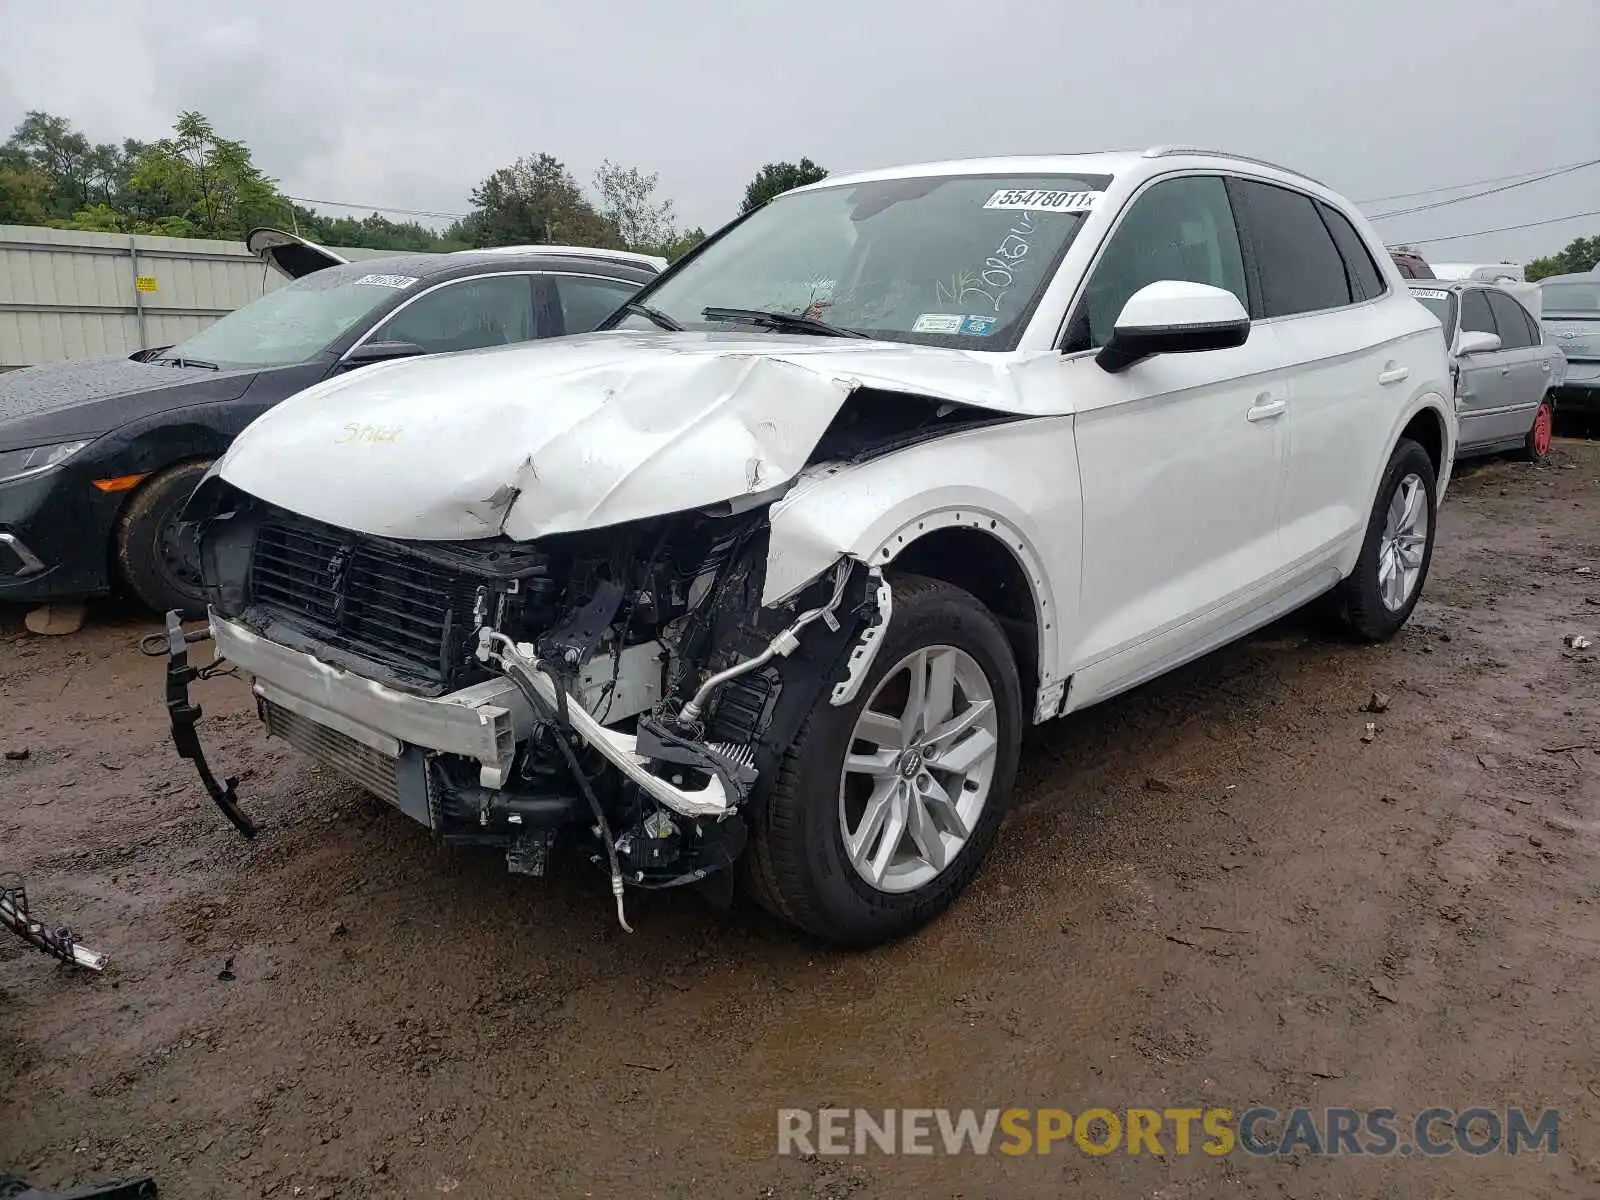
351, 100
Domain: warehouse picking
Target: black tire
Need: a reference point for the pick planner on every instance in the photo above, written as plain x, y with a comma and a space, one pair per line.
1536, 446
145, 545
796, 865
1360, 601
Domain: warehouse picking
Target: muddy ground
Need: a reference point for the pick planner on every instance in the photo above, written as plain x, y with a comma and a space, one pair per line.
1213, 892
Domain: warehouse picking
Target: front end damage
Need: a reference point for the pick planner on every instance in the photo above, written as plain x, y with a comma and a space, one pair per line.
623, 687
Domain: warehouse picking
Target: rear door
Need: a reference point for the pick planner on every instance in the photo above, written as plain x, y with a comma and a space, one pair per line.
1324, 301
1525, 358
1484, 391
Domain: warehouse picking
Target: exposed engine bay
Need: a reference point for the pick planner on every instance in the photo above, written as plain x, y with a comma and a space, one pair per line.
648, 688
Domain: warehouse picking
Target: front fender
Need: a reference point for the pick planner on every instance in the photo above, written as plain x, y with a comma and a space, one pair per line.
1016, 483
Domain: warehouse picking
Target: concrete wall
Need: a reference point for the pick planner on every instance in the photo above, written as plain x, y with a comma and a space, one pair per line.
66, 294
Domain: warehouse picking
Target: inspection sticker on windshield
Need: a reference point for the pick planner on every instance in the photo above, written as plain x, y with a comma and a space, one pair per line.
1042, 201
1429, 294
978, 326
388, 281
937, 323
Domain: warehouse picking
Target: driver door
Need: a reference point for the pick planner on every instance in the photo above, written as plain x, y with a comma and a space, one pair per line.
1182, 456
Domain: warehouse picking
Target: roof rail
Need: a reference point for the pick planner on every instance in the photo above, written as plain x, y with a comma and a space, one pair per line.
1169, 151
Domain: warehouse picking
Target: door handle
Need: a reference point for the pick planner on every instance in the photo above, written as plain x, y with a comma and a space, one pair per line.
1393, 374
1505, 370
1545, 367
1265, 409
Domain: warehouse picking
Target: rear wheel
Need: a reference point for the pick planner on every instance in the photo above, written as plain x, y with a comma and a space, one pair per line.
881, 810
1378, 596
1537, 445
148, 555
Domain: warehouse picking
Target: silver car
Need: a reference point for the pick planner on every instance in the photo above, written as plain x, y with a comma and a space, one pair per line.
1572, 322
1505, 372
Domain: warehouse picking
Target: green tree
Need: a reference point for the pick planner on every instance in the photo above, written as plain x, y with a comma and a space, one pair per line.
679, 246
207, 180
628, 203
24, 195
534, 201
1580, 254
778, 177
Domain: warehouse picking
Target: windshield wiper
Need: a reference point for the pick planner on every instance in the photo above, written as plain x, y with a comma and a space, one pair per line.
192, 362
782, 322
654, 315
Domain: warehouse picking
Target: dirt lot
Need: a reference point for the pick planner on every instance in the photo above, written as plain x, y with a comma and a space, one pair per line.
1214, 892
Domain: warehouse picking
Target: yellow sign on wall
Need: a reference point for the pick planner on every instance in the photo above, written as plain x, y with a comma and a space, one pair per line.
145, 283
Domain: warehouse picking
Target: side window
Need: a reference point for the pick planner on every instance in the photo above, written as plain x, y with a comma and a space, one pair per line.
586, 300
1366, 283
1179, 229
1509, 316
468, 315
1475, 314
1298, 264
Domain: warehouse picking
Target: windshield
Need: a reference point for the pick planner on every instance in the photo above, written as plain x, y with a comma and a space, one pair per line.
949, 261
295, 322
1572, 297
1439, 302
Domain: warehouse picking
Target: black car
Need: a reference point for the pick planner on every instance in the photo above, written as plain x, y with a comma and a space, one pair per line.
98, 456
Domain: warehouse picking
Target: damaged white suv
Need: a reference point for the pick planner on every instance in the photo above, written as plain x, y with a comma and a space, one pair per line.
776, 568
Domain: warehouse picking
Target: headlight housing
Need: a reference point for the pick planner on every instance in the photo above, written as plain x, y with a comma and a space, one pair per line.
35, 460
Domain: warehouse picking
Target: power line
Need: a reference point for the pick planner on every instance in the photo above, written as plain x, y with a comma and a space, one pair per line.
1451, 187
1455, 237
1504, 187
409, 212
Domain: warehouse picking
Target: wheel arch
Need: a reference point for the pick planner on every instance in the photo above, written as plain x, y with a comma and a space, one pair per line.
967, 536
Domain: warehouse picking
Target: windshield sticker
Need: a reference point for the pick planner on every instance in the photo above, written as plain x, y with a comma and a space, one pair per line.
977, 326
388, 281
937, 323
1042, 201
1429, 294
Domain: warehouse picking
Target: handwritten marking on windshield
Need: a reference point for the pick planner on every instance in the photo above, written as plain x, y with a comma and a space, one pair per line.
999, 269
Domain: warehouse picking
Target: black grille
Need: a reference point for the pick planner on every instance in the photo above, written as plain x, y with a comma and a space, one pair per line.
372, 596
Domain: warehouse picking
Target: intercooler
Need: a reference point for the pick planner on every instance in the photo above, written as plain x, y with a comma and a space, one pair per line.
361, 764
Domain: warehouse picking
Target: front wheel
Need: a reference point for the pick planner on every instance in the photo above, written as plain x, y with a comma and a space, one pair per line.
1537, 444
1378, 596
881, 810
148, 554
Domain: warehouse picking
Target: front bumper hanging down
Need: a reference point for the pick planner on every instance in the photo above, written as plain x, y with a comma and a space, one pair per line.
184, 716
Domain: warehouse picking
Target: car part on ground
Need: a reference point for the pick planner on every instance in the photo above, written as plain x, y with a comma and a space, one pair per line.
130, 1187
787, 597
58, 942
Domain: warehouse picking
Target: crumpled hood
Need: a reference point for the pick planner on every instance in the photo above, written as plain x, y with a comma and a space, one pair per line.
88, 397
582, 432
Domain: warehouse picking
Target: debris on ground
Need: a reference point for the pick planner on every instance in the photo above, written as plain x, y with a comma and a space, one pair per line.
56, 620
1383, 989
19, 754
1488, 762
60, 942
1376, 703
1576, 641
1371, 732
